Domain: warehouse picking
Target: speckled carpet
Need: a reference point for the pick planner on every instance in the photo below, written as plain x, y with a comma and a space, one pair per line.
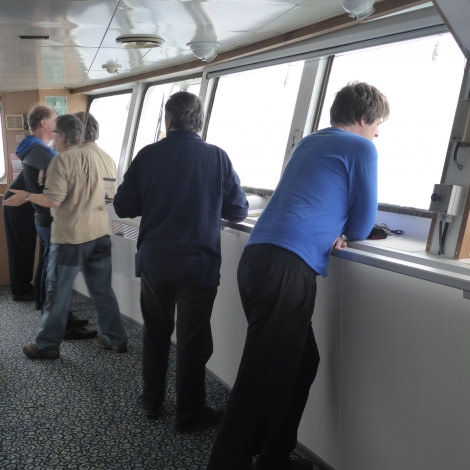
81, 411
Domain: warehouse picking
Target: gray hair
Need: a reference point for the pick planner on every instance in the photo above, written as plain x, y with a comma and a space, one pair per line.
92, 128
71, 126
186, 111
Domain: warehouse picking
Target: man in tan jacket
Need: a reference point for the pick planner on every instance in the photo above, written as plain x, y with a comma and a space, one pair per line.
80, 239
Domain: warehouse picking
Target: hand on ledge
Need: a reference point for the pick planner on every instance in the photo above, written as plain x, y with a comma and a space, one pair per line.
339, 243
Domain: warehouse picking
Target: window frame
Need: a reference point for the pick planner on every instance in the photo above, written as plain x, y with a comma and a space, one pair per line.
420, 23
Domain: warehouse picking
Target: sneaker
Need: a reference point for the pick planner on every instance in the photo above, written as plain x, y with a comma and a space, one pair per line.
33, 352
208, 418
79, 333
103, 344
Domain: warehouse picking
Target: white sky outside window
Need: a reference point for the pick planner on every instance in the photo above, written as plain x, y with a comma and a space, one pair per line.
421, 79
2, 157
251, 119
151, 126
111, 113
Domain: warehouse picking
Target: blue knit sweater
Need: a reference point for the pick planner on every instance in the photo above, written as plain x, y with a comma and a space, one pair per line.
328, 189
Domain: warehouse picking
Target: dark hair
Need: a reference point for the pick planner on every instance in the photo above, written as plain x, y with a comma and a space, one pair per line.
356, 101
186, 111
92, 128
71, 126
37, 114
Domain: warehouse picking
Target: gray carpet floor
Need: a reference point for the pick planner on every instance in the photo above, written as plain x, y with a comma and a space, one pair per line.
81, 411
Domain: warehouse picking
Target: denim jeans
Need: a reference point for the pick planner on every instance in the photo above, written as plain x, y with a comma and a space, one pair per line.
44, 234
65, 261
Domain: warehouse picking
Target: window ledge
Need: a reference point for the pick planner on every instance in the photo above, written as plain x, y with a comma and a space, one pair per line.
400, 254
414, 262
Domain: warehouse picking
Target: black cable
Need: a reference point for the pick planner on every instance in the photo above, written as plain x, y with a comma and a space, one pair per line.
442, 236
457, 147
389, 230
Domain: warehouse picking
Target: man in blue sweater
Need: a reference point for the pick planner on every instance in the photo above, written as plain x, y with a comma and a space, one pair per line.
36, 154
182, 187
328, 191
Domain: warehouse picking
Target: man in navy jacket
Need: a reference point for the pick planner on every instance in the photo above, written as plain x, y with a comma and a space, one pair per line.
182, 187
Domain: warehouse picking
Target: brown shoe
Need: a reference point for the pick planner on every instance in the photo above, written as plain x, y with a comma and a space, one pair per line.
33, 352
103, 344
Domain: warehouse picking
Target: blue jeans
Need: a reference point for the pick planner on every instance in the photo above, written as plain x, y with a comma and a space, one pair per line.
65, 261
44, 234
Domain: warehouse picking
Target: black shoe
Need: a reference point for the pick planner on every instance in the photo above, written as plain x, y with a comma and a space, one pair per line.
33, 352
74, 322
26, 297
299, 464
79, 333
150, 411
208, 418
103, 344
291, 464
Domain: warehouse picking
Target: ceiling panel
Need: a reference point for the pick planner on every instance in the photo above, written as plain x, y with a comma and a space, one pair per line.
82, 34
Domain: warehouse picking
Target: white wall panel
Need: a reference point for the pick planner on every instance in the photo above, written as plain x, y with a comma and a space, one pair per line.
405, 373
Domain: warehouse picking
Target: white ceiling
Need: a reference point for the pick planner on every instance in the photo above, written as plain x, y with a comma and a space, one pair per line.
82, 34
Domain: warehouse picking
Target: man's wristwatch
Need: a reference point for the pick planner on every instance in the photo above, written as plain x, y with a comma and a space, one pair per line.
26, 198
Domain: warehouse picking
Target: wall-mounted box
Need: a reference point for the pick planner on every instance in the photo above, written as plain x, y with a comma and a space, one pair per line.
445, 199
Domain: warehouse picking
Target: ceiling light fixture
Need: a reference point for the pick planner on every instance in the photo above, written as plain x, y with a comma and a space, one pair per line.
140, 41
111, 67
358, 9
204, 50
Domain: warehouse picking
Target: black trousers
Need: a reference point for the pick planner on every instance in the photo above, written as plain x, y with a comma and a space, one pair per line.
278, 365
193, 342
20, 233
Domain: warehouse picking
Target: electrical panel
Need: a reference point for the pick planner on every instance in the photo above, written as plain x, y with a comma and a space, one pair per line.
445, 199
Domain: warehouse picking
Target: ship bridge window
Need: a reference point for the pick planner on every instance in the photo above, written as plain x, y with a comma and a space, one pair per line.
2, 156
421, 79
111, 112
251, 117
151, 127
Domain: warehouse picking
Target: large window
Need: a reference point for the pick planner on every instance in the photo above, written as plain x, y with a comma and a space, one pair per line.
151, 126
421, 79
111, 112
251, 118
2, 156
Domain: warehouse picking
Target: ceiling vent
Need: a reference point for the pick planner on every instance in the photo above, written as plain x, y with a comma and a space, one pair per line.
15, 122
34, 36
140, 41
